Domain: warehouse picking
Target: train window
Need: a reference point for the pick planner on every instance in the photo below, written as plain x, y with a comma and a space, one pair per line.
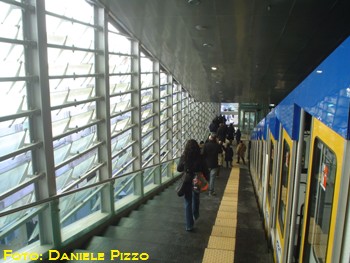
270, 177
282, 205
320, 203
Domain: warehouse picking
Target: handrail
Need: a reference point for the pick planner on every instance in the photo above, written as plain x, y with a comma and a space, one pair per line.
53, 198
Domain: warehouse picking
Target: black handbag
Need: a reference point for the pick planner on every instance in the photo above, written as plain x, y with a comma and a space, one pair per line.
180, 187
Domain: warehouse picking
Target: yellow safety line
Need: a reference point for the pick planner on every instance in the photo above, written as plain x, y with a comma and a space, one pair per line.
221, 244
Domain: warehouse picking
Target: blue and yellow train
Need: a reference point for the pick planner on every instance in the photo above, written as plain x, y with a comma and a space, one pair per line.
300, 166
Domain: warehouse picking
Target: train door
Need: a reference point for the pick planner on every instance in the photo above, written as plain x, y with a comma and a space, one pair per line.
286, 175
260, 177
324, 207
270, 171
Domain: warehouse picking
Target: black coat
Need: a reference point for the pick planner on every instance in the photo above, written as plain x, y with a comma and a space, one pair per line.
197, 165
211, 151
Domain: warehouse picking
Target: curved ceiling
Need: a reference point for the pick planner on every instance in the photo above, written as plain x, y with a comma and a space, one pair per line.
262, 48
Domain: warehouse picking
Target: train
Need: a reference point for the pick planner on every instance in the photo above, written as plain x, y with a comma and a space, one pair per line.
299, 161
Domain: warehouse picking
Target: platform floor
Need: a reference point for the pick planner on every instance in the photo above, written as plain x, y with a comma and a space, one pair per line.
229, 228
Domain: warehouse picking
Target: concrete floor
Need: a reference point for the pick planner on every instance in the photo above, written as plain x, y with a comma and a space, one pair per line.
157, 228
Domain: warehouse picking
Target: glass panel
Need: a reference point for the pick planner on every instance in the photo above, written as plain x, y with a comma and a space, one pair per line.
68, 33
146, 65
11, 21
121, 142
163, 116
149, 177
68, 62
146, 80
147, 126
283, 191
146, 112
12, 177
163, 104
119, 64
120, 122
118, 43
119, 83
124, 187
163, 140
69, 8
13, 97
64, 121
70, 84
12, 142
73, 144
147, 140
12, 60
163, 91
120, 103
75, 207
167, 171
120, 162
146, 156
23, 234
146, 96
163, 128
323, 173
71, 95
163, 78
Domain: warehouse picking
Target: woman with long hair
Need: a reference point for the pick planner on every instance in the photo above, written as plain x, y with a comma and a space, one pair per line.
191, 161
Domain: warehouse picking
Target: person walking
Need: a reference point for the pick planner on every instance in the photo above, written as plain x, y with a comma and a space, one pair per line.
211, 153
230, 133
228, 155
191, 161
241, 148
221, 132
238, 136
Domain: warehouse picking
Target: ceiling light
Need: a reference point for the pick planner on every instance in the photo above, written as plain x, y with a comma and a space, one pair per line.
201, 28
194, 2
319, 71
207, 45
214, 68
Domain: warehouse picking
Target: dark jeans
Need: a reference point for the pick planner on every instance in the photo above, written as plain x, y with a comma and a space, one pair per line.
238, 157
191, 206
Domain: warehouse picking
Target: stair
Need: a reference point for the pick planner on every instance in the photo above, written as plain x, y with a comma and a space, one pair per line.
157, 230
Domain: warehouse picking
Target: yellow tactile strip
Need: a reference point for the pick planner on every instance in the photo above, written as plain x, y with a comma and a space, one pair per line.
218, 255
223, 231
226, 243
226, 222
226, 214
222, 241
228, 208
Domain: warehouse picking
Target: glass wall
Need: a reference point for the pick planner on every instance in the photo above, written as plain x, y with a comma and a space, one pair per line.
89, 120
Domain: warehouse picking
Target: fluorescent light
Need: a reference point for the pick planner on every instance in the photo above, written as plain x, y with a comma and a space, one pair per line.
201, 28
207, 45
194, 2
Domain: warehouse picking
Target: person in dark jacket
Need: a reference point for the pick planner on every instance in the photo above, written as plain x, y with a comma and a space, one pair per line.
228, 155
238, 136
222, 132
191, 161
230, 133
211, 153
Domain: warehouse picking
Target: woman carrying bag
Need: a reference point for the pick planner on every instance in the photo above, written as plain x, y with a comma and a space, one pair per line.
191, 161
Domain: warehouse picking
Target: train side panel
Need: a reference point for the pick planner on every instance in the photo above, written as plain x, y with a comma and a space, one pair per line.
322, 196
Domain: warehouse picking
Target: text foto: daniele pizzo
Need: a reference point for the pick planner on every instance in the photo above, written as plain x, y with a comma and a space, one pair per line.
114, 254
